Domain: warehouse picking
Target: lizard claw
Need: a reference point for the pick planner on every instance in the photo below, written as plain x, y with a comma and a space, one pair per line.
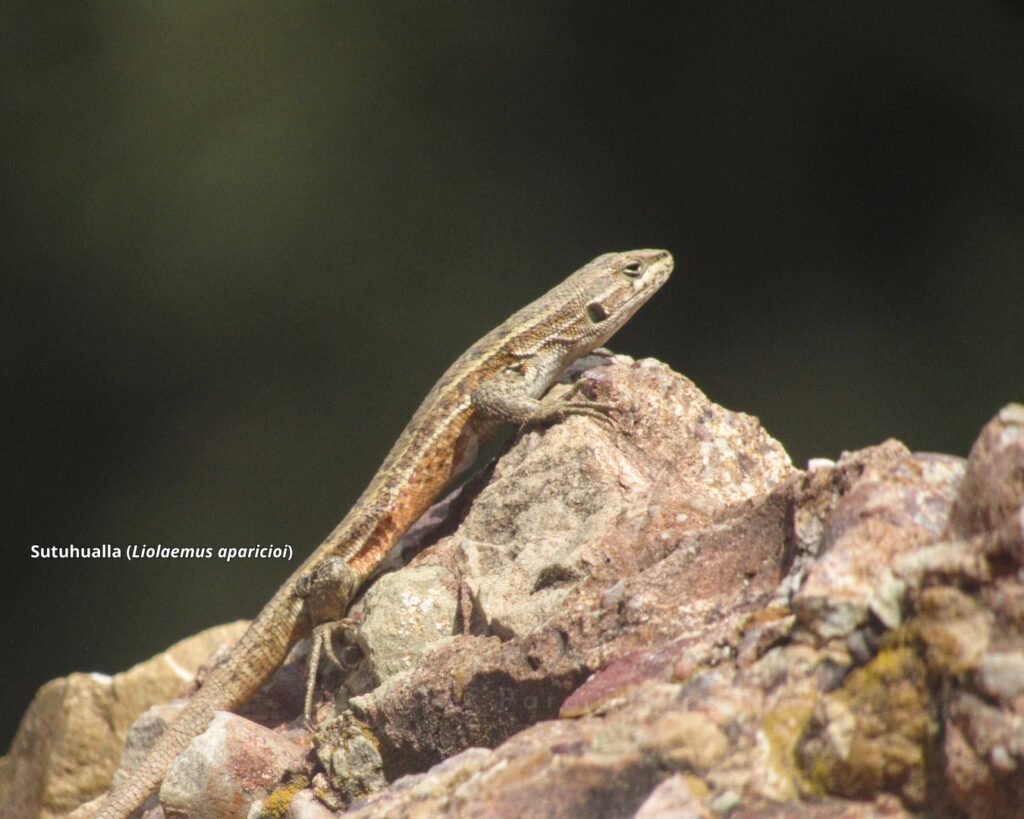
590, 409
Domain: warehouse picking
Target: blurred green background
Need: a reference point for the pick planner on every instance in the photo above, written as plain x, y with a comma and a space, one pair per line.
240, 242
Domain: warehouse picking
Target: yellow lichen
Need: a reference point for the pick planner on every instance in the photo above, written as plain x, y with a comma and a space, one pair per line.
779, 734
276, 805
873, 733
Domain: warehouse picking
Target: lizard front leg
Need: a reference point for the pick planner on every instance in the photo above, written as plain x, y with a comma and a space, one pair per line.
506, 398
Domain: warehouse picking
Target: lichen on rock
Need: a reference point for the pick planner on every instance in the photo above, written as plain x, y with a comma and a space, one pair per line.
661, 616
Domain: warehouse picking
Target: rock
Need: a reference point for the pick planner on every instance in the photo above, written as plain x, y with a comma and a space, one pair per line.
142, 736
1000, 675
350, 754
686, 741
467, 691
873, 734
953, 628
661, 617
226, 768
576, 505
71, 737
305, 806
674, 798
550, 769
899, 503
984, 749
993, 488
567, 515
403, 614
882, 807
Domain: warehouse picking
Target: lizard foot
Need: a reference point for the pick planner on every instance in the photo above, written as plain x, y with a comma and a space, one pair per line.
322, 637
572, 401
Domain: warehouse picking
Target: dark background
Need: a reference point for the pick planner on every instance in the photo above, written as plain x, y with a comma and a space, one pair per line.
241, 241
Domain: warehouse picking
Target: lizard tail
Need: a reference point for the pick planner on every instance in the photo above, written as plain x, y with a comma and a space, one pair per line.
136, 787
259, 652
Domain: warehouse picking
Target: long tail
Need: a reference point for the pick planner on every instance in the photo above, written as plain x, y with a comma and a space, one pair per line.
258, 653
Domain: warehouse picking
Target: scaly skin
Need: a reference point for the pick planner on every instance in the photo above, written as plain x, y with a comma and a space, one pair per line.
498, 380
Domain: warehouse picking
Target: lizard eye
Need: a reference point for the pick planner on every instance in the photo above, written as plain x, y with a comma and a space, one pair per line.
632, 268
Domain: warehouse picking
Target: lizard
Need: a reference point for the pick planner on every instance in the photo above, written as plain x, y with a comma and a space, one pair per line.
502, 378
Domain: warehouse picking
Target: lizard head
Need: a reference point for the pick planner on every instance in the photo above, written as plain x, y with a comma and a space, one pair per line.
612, 288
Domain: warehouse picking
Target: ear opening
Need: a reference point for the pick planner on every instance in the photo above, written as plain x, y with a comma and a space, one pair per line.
597, 312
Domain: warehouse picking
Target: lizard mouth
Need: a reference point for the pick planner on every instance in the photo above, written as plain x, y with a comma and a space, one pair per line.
659, 268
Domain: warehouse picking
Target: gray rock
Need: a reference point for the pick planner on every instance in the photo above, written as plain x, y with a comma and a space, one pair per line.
227, 767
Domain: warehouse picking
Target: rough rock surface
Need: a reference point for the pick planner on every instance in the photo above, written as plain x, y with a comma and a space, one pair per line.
73, 733
662, 617
223, 771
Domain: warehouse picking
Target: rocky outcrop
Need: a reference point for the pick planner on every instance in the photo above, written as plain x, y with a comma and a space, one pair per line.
73, 733
660, 616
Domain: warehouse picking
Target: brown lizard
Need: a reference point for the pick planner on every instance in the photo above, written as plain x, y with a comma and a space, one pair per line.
500, 379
